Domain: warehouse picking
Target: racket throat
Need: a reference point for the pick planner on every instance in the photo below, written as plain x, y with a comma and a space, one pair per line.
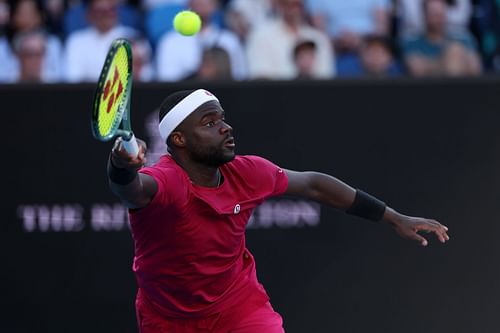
126, 135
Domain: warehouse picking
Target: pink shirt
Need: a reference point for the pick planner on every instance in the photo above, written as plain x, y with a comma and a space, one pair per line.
190, 255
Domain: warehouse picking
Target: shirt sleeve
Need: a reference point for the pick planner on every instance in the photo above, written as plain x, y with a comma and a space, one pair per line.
271, 177
169, 185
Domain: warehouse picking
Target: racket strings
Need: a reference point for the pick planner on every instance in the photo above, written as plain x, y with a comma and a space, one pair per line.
113, 93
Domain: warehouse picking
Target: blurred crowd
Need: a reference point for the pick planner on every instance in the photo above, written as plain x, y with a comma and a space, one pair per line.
67, 40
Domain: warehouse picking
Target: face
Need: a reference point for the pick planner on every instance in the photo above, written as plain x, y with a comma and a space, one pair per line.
103, 14
31, 54
208, 139
292, 10
141, 58
204, 8
305, 61
26, 16
376, 58
435, 15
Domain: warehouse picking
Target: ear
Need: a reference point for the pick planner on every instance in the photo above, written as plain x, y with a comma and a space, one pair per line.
178, 139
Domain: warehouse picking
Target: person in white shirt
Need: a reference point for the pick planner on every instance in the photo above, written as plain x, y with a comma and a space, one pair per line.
27, 16
178, 57
86, 49
243, 15
270, 45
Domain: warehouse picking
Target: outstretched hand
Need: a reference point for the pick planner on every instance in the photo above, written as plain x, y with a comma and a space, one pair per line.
409, 227
122, 159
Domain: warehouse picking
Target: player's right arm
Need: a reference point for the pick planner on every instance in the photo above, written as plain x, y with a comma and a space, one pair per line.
134, 189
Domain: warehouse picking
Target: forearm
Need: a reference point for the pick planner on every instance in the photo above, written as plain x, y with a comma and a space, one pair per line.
336, 193
331, 191
127, 193
128, 185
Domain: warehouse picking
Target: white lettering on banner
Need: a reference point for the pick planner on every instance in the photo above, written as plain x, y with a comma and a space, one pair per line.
114, 217
286, 214
109, 217
45, 218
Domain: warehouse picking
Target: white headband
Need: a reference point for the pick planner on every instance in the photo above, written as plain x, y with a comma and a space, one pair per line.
183, 109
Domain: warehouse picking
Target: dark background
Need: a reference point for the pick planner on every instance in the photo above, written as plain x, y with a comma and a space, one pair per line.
427, 148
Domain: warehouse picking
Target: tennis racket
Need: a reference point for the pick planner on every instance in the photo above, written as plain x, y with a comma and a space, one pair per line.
111, 107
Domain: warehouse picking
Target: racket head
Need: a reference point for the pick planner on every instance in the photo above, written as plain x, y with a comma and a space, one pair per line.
112, 96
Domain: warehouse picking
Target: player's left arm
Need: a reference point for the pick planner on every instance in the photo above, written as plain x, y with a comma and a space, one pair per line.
329, 190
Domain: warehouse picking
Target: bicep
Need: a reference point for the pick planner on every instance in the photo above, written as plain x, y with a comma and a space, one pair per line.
137, 194
149, 186
298, 183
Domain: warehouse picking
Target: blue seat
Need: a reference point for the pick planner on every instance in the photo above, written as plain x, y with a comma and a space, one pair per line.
159, 20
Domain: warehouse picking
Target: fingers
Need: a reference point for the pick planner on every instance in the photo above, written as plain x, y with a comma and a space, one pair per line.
411, 227
433, 226
420, 239
122, 159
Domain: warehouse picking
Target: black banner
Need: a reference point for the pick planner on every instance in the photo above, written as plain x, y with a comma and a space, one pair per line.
427, 148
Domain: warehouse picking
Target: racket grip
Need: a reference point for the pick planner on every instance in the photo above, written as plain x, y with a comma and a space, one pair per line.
131, 145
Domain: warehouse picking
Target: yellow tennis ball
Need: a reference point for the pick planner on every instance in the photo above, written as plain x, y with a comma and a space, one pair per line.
187, 23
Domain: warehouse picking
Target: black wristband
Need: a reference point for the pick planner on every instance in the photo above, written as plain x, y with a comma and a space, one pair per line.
120, 176
367, 206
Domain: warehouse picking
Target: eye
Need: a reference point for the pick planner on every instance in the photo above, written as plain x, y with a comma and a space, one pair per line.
210, 124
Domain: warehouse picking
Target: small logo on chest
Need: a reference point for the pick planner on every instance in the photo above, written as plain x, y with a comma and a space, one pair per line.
237, 209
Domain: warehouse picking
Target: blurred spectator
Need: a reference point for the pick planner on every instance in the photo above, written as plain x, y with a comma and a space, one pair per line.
76, 16
142, 59
244, 15
215, 65
54, 11
376, 59
178, 57
489, 32
439, 51
347, 21
304, 58
86, 49
271, 44
28, 16
4, 16
30, 49
411, 18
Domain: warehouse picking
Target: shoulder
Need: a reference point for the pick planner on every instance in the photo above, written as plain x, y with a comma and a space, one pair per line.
83, 36
317, 35
256, 165
173, 38
462, 37
165, 170
256, 174
268, 27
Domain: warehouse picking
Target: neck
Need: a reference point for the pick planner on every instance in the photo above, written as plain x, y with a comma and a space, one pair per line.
200, 174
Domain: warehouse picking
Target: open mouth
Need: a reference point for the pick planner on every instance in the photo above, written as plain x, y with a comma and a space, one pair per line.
229, 143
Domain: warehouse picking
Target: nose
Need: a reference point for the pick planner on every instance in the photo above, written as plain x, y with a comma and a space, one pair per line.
225, 128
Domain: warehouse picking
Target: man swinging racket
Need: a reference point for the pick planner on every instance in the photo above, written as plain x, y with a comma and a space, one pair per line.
188, 214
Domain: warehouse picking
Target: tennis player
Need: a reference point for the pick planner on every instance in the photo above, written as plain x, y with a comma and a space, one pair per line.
188, 214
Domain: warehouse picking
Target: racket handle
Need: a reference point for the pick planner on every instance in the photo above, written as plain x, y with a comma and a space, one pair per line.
131, 145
